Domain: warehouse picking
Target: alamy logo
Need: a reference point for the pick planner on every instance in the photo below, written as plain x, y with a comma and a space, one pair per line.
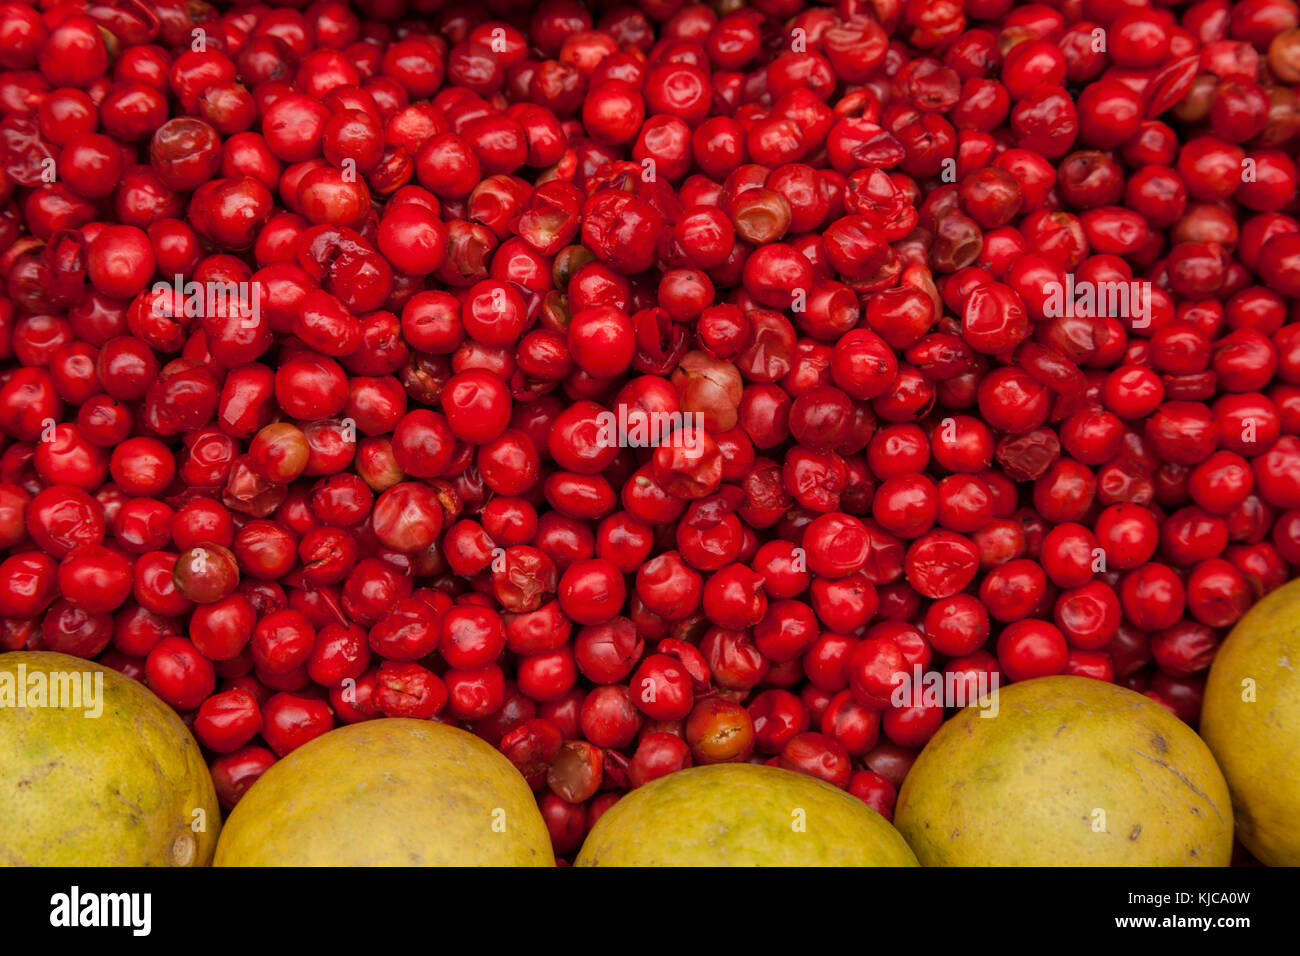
1124, 300
637, 428
950, 689
74, 690
242, 300
74, 908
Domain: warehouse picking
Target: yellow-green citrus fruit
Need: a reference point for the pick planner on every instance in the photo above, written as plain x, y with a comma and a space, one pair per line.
393, 792
742, 815
1067, 771
97, 771
1251, 720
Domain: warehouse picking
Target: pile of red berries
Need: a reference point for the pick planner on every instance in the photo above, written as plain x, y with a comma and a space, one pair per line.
329, 331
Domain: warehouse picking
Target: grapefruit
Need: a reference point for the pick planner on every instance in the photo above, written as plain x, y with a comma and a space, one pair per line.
97, 771
394, 792
1251, 720
742, 815
1070, 772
